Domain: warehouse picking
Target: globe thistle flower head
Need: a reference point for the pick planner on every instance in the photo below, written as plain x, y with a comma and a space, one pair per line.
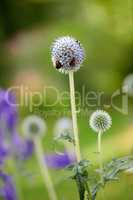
63, 125
100, 121
33, 126
128, 85
67, 54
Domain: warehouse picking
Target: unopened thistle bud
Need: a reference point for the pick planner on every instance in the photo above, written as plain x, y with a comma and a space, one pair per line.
67, 54
62, 125
100, 121
128, 85
34, 126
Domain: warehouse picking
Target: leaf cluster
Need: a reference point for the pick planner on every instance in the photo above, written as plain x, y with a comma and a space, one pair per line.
111, 170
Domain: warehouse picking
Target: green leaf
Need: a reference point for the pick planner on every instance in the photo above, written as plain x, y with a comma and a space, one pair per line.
67, 136
80, 175
95, 190
111, 171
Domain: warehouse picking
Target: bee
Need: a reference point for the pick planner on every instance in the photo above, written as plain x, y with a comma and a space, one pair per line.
58, 65
78, 42
72, 63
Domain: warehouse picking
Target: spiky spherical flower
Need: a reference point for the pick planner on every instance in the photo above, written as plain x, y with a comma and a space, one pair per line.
100, 121
128, 85
67, 54
34, 125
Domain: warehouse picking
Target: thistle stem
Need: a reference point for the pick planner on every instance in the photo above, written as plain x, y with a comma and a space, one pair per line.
100, 154
74, 116
99, 142
44, 169
88, 190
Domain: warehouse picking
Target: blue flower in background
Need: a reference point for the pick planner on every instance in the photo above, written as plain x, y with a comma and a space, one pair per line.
3, 154
8, 111
7, 190
8, 120
10, 140
28, 150
59, 161
23, 148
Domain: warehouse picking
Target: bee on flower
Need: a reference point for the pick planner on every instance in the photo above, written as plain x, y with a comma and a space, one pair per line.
67, 54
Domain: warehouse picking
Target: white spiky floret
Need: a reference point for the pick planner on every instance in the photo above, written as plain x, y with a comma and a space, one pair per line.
128, 85
67, 54
100, 121
34, 125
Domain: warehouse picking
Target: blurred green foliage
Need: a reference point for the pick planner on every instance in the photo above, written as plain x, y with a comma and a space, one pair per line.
104, 27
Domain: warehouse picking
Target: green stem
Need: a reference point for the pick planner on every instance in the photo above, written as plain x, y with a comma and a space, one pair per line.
100, 155
99, 142
88, 191
44, 169
74, 115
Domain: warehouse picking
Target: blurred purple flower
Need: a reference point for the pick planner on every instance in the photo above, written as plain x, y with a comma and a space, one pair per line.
10, 140
8, 120
28, 150
8, 110
3, 154
7, 190
23, 148
59, 161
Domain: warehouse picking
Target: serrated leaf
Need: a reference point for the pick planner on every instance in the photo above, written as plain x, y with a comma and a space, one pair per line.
113, 168
111, 171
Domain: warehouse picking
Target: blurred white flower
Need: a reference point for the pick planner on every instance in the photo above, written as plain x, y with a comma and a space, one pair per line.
62, 125
128, 85
100, 121
67, 54
34, 125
